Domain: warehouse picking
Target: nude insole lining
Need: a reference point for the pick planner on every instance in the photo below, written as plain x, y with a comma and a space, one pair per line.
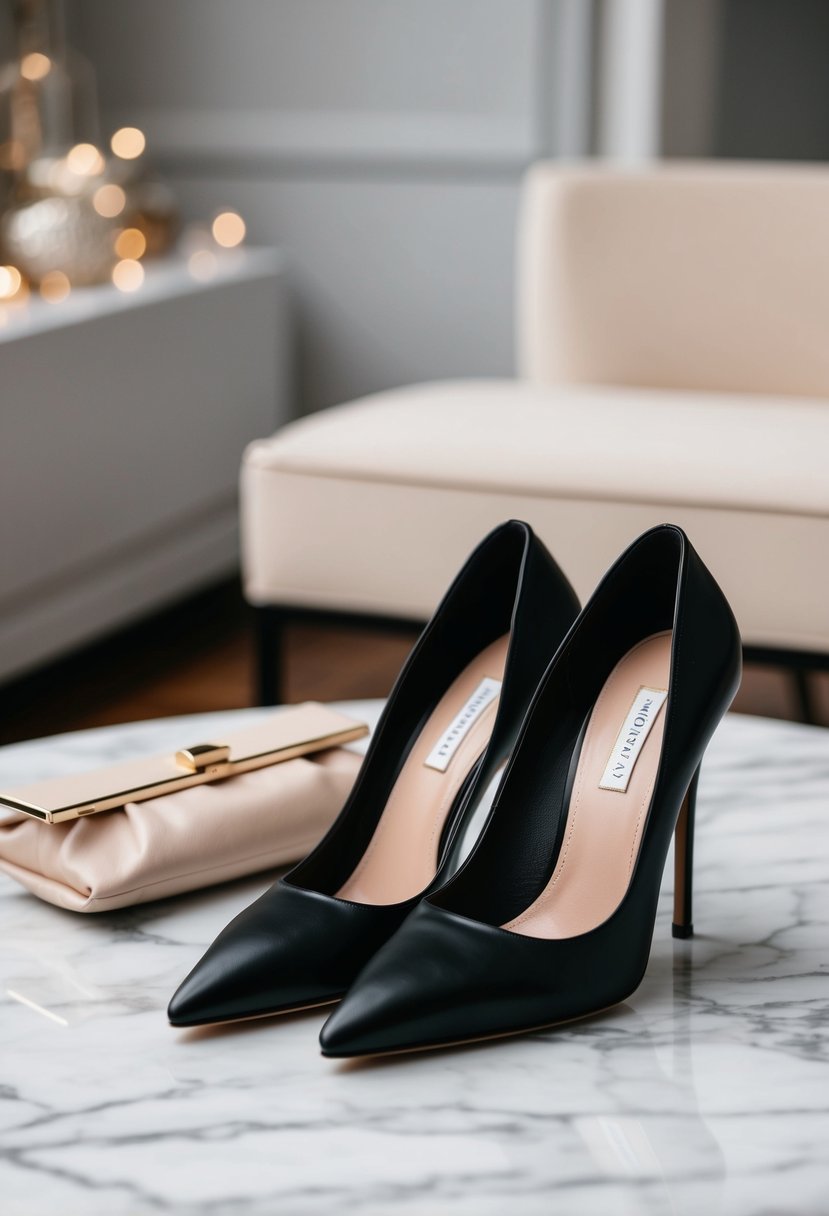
604, 826
401, 857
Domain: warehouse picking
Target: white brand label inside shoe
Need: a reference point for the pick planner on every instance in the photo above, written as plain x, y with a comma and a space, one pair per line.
443, 751
631, 738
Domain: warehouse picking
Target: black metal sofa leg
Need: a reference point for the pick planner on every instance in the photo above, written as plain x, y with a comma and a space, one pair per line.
270, 625
805, 696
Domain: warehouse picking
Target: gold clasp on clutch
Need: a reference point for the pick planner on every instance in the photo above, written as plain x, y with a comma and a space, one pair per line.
204, 758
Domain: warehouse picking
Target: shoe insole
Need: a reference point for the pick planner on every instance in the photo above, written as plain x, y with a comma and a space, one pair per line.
610, 798
402, 855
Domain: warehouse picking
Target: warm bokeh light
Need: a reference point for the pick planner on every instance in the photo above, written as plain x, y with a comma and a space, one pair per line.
202, 264
131, 243
128, 142
85, 160
109, 200
55, 286
128, 275
35, 66
10, 282
228, 229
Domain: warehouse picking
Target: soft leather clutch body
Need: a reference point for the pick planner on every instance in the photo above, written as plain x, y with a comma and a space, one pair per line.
258, 798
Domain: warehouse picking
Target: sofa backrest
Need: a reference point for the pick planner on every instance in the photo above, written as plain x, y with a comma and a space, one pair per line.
694, 275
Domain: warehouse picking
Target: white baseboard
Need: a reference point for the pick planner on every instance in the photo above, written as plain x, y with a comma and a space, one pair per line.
121, 588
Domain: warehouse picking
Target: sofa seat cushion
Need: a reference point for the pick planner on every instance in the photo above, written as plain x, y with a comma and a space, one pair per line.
632, 445
371, 505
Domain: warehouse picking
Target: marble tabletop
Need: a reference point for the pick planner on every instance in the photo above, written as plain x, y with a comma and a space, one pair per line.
707, 1092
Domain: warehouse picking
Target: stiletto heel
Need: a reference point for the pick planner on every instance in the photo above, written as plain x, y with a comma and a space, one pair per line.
450, 722
683, 924
551, 916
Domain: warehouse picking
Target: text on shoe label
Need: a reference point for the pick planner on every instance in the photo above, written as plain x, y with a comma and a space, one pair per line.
484, 695
631, 738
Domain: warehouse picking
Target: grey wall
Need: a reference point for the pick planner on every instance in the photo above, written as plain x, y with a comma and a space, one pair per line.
380, 142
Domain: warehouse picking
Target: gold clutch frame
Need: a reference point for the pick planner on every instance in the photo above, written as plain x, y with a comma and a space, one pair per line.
297, 731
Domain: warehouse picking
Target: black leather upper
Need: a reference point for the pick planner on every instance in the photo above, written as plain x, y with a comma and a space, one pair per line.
451, 972
300, 944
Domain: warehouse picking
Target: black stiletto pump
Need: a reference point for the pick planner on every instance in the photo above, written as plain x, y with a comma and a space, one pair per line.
449, 724
551, 916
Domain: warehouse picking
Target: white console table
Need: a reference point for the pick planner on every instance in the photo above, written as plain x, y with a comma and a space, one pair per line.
124, 417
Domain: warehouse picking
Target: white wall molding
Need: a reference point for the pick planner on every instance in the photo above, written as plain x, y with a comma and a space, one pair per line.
271, 138
555, 121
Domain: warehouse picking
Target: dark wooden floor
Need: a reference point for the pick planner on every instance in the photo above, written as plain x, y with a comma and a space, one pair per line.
199, 656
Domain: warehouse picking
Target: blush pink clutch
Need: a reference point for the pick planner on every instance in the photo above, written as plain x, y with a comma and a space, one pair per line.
261, 797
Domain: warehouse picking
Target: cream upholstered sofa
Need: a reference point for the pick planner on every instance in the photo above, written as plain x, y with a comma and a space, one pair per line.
673, 351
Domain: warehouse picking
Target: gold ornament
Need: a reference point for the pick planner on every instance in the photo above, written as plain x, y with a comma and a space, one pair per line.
59, 233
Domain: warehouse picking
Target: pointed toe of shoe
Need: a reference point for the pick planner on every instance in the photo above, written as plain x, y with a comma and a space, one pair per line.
441, 981
194, 1002
406, 998
290, 950
384, 1013
364, 1023
342, 1037
269, 960
244, 974
379, 1017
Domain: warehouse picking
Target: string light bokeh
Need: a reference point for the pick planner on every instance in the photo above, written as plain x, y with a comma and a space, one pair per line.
128, 143
228, 229
84, 173
83, 213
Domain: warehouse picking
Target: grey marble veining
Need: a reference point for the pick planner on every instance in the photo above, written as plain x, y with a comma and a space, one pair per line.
707, 1092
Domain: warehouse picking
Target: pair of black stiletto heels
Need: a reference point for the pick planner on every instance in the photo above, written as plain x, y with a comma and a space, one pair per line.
431, 930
